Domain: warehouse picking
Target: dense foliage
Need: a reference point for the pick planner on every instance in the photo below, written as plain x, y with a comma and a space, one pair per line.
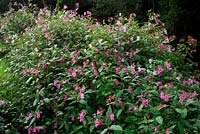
71, 74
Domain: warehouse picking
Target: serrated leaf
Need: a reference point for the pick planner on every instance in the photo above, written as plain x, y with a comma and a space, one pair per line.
159, 119
104, 131
115, 127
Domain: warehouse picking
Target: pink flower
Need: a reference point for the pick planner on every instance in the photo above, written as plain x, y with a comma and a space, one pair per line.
135, 108
109, 99
116, 82
36, 72
72, 118
155, 129
47, 36
95, 72
85, 63
62, 58
117, 69
37, 113
57, 84
119, 100
130, 90
164, 97
159, 84
98, 122
81, 116
73, 60
65, 7
30, 115
77, 5
36, 129
170, 85
43, 64
29, 130
55, 123
168, 65
112, 117
159, 70
79, 70
145, 102
100, 112
167, 131
65, 97
73, 74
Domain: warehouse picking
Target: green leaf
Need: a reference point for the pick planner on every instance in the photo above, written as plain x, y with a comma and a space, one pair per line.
104, 131
183, 112
35, 102
109, 111
91, 128
115, 127
47, 100
33, 120
28, 80
159, 119
119, 112
83, 102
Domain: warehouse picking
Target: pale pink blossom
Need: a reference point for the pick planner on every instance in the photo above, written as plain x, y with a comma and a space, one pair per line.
95, 72
37, 113
73, 74
164, 97
145, 102
47, 36
36, 129
81, 116
168, 65
112, 117
159, 70
43, 64
119, 100
98, 122
30, 115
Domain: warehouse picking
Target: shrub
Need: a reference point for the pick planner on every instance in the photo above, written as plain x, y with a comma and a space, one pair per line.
78, 76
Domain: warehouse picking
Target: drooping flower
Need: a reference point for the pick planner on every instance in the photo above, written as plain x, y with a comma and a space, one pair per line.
81, 116
112, 117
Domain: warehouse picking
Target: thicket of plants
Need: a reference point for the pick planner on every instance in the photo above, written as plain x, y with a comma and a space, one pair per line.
71, 74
